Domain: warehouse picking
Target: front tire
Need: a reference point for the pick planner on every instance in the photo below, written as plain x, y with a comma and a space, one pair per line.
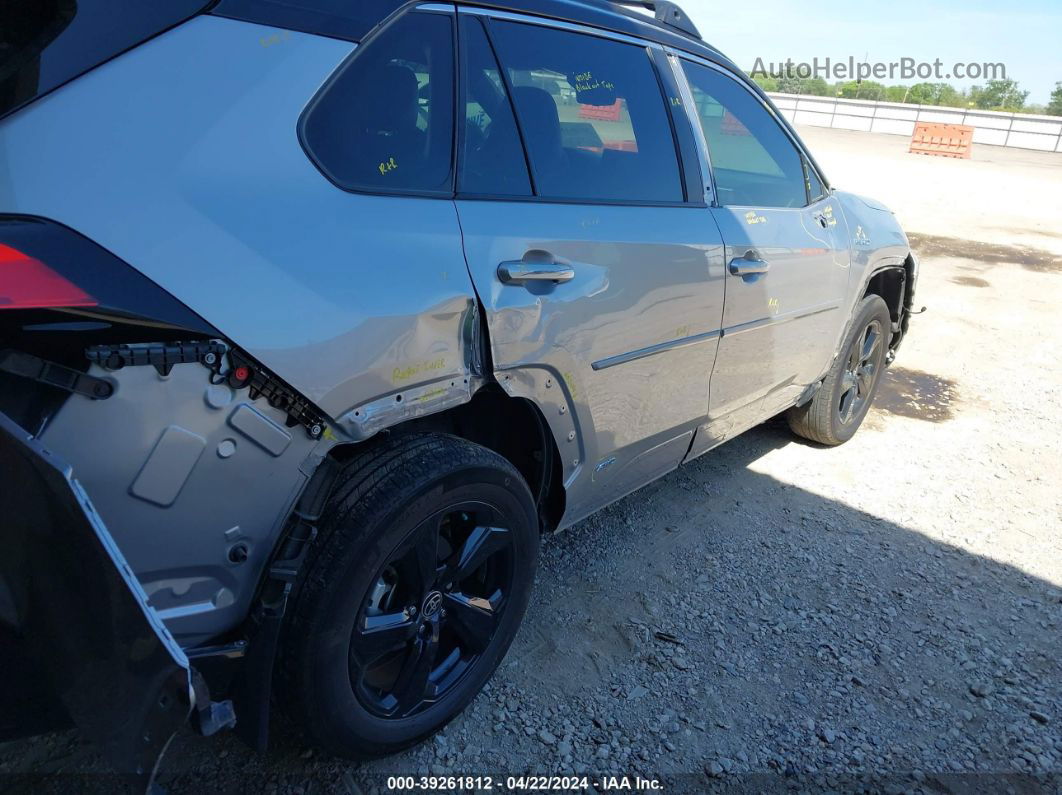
417, 584
837, 410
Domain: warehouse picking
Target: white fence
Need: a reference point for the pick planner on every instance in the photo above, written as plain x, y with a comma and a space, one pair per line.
1020, 130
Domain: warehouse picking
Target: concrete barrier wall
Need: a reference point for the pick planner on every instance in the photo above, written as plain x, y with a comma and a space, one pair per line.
1019, 130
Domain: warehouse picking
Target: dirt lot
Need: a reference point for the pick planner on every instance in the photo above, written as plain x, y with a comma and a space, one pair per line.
777, 616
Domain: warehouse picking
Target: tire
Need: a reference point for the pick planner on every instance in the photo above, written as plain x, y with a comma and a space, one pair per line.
378, 653
837, 410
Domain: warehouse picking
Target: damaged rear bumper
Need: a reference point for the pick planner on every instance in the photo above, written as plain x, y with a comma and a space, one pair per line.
75, 623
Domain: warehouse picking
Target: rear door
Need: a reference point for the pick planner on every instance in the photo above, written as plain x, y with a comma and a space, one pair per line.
595, 259
786, 253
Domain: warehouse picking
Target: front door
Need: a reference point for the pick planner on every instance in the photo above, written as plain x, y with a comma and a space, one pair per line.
786, 254
593, 266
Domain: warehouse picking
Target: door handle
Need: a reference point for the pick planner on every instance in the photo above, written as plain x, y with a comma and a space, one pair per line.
536, 265
748, 265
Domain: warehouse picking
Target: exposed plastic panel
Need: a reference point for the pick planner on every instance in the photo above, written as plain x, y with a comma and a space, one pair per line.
194, 500
168, 467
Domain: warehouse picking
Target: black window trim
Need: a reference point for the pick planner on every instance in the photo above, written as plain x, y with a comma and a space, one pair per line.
689, 170
774, 113
440, 9
508, 89
809, 170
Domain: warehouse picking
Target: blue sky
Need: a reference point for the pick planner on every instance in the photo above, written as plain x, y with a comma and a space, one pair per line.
1025, 35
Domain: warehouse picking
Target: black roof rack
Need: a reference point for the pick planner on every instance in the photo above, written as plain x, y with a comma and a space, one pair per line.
666, 13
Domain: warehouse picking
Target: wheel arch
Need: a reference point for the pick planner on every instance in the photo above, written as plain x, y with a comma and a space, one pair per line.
513, 427
893, 280
888, 282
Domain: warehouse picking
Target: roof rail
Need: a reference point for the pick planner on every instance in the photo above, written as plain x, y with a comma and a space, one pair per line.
667, 13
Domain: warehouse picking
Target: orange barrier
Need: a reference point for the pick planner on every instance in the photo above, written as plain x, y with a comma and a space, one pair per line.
600, 112
943, 140
732, 125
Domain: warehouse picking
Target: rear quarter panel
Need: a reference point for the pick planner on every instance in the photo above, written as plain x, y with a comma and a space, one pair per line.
182, 158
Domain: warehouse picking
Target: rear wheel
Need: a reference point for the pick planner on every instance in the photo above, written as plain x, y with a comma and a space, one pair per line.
835, 413
421, 576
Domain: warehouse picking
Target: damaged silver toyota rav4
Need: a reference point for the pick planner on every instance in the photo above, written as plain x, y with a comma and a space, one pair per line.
314, 316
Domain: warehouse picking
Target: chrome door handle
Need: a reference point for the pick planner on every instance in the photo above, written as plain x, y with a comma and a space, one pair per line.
536, 265
748, 265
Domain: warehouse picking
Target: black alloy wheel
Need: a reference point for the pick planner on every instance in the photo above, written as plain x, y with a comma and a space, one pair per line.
411, 594
860, 373
432, 611
838, 408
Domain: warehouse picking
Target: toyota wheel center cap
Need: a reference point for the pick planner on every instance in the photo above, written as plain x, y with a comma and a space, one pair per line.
432, 604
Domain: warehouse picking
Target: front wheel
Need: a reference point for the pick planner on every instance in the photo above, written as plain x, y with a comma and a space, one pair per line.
835, 413
418, 582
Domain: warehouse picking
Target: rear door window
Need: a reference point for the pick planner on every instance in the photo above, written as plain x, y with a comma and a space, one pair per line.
591, 113
753, 161
384, 123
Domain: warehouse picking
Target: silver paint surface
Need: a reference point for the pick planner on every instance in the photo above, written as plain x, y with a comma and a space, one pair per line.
644, 276
367, 304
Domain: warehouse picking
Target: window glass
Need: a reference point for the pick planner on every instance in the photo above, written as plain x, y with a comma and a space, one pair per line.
44, 43
592, 115
753, 160
492, 159
386, 122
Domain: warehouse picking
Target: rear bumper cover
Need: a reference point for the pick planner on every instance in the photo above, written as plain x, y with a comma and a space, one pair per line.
72, 612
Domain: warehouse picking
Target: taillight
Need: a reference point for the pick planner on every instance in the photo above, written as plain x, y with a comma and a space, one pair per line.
27, 283
45, 265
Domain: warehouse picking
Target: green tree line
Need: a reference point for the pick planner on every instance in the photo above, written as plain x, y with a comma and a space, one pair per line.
1004, 95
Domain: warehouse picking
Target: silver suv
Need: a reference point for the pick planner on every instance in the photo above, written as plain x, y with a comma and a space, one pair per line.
313, 317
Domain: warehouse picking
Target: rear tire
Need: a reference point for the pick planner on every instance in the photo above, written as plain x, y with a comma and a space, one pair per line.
415, 588
835, 413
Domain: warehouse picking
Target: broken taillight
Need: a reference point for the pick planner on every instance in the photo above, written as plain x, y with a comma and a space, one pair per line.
27, 283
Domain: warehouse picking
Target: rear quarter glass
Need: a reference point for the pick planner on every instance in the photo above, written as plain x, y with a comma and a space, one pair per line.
46, 43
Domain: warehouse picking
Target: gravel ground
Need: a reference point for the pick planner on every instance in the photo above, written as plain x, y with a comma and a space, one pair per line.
776, 616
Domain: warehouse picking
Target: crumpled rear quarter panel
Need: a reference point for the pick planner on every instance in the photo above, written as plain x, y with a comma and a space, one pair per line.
181, 157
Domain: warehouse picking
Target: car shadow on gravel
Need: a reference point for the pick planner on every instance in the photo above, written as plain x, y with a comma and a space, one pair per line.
719, 629
1029, 257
